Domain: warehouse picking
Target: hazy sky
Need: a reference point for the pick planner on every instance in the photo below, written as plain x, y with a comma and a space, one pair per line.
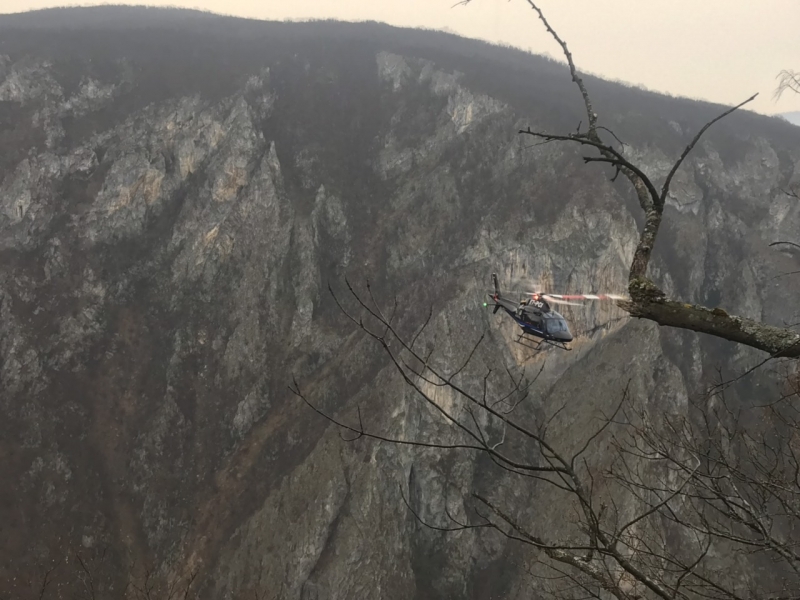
719, 50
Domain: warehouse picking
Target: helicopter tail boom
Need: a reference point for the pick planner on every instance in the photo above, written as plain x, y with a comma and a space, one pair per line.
496, 293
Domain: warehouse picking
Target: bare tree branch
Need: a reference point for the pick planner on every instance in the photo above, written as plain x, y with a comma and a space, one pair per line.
647, 301
788, 80
693, 143
673, 473
47, 579
778, 341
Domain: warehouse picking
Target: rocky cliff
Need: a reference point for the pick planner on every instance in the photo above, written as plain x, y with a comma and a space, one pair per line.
177, 191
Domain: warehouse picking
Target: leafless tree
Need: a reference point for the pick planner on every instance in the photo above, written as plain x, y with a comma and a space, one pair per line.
682, 506
83, 574
647, 300
86, 577
151, 585
788, 80
47, 579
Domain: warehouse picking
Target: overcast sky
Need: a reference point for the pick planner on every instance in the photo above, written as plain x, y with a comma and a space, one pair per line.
718, 50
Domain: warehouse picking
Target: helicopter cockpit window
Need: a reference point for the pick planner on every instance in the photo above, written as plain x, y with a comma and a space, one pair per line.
556, 325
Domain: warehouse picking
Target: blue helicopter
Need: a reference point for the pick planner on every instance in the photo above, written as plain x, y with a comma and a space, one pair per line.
537, 320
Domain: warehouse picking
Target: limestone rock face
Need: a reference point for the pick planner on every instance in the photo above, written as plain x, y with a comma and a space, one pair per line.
176, 195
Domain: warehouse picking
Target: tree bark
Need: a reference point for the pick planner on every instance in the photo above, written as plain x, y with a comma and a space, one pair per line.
648, 302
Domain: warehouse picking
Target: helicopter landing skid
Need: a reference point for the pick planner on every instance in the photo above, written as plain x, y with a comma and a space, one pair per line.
535, 344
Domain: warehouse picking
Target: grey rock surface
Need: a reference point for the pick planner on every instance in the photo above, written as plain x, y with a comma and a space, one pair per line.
173, 206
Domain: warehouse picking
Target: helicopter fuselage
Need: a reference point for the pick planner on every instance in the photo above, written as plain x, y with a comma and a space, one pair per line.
536, 318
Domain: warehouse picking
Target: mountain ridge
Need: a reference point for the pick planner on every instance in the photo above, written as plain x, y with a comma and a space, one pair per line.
792, 117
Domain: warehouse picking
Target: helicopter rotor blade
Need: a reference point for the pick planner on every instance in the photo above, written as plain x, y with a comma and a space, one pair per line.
584, 296
552, 300
565, 298
523, 292
569, 296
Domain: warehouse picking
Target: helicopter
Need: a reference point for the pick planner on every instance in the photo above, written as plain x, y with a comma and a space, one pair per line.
538, 321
